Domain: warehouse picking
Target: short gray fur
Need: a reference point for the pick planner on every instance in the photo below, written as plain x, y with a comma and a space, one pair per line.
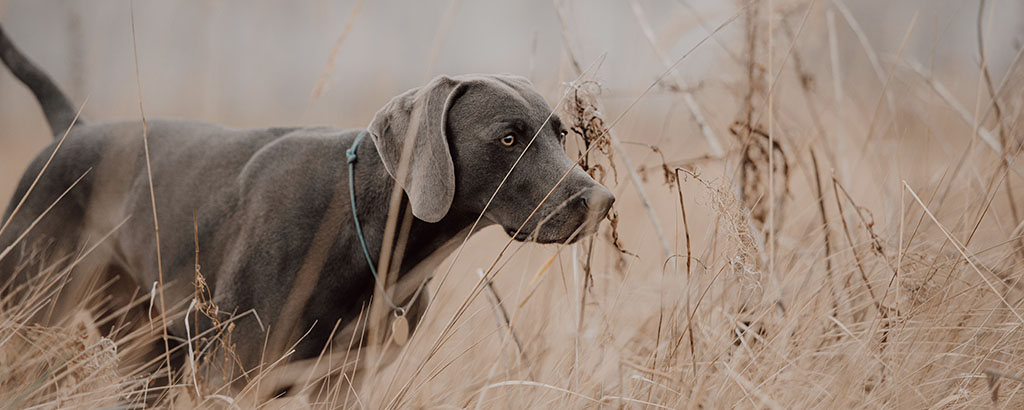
261, 196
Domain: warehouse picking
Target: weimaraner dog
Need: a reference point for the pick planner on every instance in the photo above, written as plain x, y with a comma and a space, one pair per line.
274, 226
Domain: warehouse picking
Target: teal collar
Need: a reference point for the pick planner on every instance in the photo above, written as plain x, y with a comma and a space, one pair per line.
350, 156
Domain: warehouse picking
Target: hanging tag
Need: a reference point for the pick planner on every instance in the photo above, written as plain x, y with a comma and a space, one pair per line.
400, 330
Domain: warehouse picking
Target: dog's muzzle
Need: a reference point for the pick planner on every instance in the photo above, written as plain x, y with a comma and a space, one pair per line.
573, 220
598, 201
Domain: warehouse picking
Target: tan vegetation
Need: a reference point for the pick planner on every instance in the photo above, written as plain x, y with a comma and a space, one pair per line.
776, 243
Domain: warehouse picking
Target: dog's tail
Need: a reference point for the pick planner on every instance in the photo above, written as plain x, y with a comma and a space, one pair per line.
59, 111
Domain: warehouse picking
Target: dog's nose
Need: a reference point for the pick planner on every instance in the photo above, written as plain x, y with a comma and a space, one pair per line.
598, 200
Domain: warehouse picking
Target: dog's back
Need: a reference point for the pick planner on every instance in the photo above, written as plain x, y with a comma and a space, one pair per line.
85, 198
271, 214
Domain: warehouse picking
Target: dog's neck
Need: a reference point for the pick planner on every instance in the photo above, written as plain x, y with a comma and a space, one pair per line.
428, 244
428, 240
414, 274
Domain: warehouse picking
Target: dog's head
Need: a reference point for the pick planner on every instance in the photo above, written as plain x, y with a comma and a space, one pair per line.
468, 132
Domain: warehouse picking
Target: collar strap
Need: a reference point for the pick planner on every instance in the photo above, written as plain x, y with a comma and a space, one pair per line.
350, 156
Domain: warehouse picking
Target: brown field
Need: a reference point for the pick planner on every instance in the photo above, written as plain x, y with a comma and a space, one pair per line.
838, 226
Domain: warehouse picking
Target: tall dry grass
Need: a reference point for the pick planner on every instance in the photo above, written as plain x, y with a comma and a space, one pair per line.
792, 234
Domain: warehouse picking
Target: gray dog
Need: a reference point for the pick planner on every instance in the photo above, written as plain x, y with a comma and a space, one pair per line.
275, 229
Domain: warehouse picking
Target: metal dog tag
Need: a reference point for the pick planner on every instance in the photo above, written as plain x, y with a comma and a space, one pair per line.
400, 330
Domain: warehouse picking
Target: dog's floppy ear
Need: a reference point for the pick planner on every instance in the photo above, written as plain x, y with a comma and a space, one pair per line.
419, 116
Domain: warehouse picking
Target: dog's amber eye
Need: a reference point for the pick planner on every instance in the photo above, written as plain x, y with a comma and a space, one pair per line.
562, 134
508, 140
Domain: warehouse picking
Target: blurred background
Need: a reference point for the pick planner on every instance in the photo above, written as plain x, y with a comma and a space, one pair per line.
256, 63
881, 92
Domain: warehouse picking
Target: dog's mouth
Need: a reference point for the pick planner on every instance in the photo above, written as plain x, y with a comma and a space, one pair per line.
547, 237
520, 236
562, 224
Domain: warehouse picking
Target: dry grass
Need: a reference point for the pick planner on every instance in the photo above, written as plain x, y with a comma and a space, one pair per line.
839, 251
